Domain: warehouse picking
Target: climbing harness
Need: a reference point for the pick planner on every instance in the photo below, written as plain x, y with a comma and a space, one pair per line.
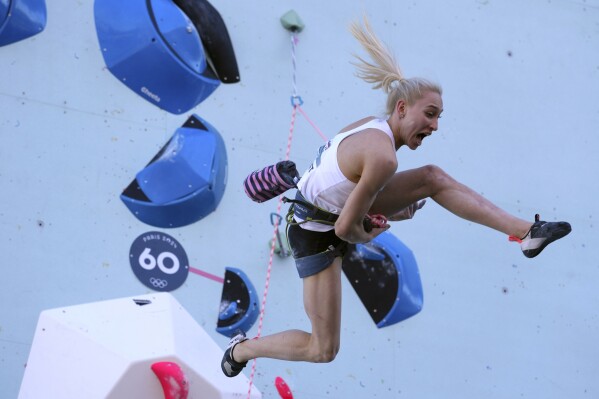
307, 211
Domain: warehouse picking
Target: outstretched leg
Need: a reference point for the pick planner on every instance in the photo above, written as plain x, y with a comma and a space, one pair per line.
322, 302
410, 186
431, 181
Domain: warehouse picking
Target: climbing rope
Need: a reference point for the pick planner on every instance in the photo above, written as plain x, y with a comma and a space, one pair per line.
272, 252
296, 103
294, 70
301, 110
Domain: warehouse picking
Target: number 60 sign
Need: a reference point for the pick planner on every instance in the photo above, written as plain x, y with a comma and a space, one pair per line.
159, 261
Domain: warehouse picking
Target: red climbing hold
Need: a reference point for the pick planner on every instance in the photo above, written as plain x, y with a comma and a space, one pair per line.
173, 380
283, 388
378, 220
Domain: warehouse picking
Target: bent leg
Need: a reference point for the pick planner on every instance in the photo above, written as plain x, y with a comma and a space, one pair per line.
413, 185
322, 302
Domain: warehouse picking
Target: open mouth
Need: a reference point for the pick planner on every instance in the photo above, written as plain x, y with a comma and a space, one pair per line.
420, 137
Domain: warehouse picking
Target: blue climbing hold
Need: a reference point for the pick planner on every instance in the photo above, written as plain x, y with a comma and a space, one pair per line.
238, 304
184, 182
20, 19
155, 48
385, 275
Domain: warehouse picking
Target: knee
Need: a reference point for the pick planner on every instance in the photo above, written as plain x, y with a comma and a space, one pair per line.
324, 353
435, 177
327, 355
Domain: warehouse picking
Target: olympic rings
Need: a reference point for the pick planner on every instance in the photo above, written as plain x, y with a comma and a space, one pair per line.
158, 282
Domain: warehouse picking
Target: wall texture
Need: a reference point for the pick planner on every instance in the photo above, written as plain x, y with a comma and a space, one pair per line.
521, 82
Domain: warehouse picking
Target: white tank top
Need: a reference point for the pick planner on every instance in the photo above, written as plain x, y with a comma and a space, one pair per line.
323, 184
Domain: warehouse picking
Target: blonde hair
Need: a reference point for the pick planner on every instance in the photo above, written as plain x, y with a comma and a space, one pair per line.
384, 72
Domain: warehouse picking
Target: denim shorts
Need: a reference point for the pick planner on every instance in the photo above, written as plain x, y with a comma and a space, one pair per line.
313, 251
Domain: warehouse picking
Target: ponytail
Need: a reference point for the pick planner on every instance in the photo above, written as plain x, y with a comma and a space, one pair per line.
384, 72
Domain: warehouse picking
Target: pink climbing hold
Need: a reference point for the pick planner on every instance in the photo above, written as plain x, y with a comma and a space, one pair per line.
173, 380
378, 220
283, 388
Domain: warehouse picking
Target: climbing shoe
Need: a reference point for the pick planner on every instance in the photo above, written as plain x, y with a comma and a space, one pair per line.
540, 235
230, 367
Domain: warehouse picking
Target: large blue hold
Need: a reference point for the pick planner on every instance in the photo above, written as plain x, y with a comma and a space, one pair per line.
184, 182
20, 19
385, 276
239, 304
154, 48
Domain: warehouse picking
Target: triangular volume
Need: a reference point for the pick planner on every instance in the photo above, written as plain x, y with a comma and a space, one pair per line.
116, 349
385, 276
155, 49
184, 181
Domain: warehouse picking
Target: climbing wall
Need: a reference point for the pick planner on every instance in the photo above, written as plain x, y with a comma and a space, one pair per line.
520, 97
119, 348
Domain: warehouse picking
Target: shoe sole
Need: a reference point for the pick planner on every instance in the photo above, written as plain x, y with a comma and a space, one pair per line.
562, 230
230, 370
228, 365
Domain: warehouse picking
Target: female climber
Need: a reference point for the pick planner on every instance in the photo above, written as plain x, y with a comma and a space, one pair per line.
354, 175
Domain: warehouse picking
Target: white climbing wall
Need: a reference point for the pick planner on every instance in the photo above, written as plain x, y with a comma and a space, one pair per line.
106, 350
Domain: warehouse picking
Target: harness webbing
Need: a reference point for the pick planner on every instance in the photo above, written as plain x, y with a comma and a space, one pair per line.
307, 211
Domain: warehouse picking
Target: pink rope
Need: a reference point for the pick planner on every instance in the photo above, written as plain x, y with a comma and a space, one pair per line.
272, 251
296, 107
207, 275
312, 123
